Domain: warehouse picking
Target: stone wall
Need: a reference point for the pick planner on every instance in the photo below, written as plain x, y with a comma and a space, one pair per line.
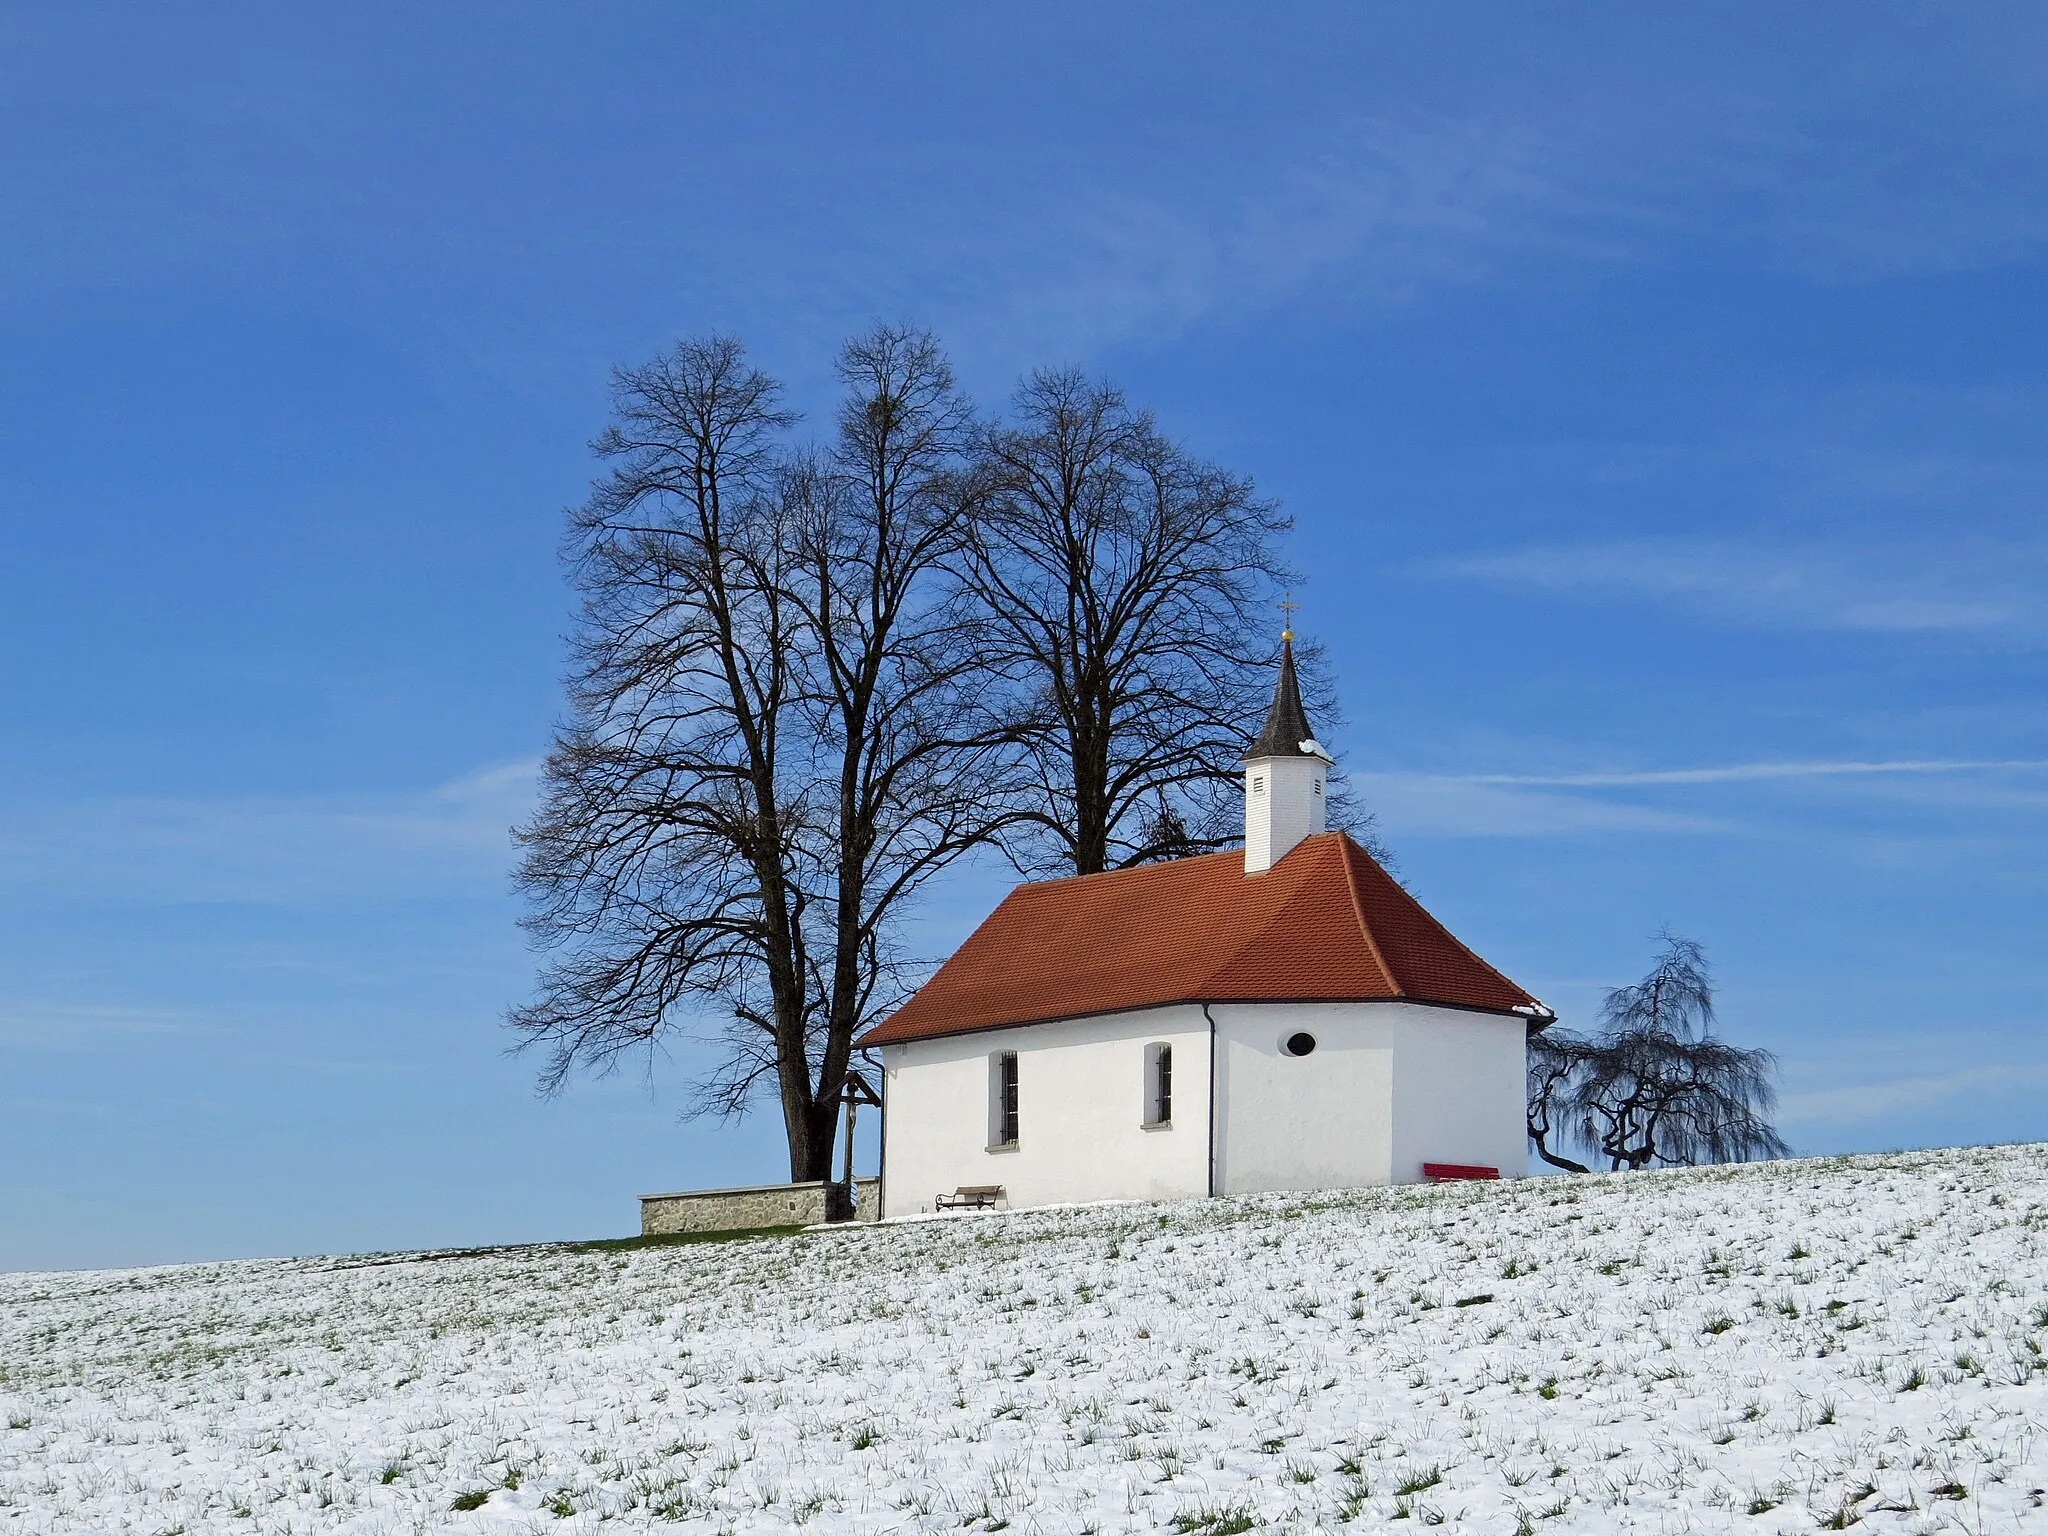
754, 1205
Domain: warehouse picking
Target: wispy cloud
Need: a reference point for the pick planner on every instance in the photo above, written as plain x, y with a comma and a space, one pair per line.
448, 840
1736, 773
1460, 805
1818, 587
1853, 1103
83, 1026
1542, 805
1387, 208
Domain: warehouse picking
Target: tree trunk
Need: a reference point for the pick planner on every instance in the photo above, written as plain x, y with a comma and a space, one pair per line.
1555, 1160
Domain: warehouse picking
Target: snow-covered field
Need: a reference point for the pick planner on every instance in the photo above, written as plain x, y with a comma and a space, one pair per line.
1758, 1349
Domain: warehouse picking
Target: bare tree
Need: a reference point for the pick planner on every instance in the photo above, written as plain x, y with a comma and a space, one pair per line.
762, 763
658, 865
907, 770
1123, 584
1554, 1062
1656, 1085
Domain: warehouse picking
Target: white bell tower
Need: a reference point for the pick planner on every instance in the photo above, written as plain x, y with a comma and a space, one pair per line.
1284, 775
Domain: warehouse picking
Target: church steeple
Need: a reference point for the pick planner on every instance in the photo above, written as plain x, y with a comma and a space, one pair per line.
1286, 732
1283, 774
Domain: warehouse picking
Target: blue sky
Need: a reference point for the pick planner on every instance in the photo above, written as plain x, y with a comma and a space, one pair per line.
1658, 392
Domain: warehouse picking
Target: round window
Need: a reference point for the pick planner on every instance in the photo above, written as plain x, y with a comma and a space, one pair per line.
1299, 1044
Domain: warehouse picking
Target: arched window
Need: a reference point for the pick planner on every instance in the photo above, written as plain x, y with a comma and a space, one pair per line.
1159, 1084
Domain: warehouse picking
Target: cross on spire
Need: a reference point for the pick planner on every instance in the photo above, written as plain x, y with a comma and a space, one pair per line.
1287, 605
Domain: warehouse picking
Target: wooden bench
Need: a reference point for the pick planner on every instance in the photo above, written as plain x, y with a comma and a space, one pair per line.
973, 1197
1444, 1173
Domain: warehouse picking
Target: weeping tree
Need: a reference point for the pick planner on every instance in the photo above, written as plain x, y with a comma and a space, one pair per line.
1655, 1084
1123, 585
1553, 1067
774, 737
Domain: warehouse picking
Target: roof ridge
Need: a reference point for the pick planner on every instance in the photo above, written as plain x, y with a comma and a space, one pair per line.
1344, 846
1463, 948
1279, 920
1127, 869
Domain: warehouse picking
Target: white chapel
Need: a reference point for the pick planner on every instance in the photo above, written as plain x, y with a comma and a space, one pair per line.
1285, 1018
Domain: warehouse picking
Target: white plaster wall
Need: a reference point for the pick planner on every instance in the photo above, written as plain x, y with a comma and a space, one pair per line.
1389, 1087
1323, 1121
1081, 1105
1283, 803
1462, 1094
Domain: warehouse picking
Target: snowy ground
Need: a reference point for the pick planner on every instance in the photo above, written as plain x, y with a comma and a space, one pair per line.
1757, 1349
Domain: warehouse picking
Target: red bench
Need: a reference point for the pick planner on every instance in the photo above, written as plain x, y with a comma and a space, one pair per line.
1444, 1173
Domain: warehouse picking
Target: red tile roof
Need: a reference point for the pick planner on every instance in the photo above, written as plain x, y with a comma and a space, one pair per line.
1325, 924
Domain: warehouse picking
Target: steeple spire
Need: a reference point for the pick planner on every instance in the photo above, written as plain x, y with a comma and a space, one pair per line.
1286, 732
1283, 773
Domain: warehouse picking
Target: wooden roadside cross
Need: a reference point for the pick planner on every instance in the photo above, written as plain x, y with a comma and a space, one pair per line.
853, 1093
